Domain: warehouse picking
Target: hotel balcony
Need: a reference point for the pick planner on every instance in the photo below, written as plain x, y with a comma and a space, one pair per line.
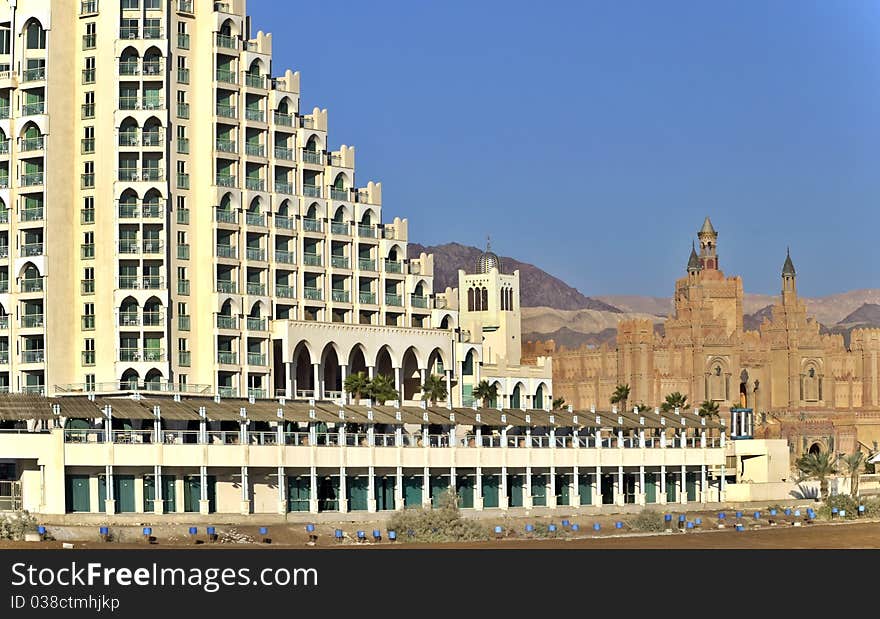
149, 355
340, 296
222, 40
284, 222
313, 294
342, 228
367, 298
287, 154
227, 287
393, 266
339, 262
226, 251
227, 358
226, 146
256, 254
312, 260
33, 356
339, 194
29, 144
147, 282
227, 322
225, 217
226, 180
419, 301
226, 111
311, 191
32, 321
255, 219
255, 323
366, 264
366, 231
256, 358
311, 225
256, 289
393, 299
254, 150
31, 249
285, 257
284, 291
284, 120
34, 284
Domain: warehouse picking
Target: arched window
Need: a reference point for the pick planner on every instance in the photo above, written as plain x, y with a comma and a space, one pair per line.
35, 36
811, 385
470, 305
485, 303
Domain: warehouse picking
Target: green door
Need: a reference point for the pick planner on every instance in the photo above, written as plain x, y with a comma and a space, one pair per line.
192, 493
515, 490
539, 490
77, 493
169, 501
412, 491
585, 490
650, 487
691, 486
123, 493
357, 491
490, 490
439, 485
102, 493
464, 488
629, 488
563, 490
385, 486
607, 489
298, 493
670, 487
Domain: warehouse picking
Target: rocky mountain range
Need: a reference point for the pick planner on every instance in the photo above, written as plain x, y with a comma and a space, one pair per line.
573, 319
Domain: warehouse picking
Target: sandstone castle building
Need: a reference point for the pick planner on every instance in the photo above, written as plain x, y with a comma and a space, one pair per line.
803, 385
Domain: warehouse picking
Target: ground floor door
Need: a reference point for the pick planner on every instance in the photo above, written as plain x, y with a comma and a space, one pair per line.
515, 490
563, 489
490, 490
192, 493
670, 488
328, 493
650, 487
384, 491
585, 489
299, 491
169, 498
357, 491
77, 493
439, 485
691, 485
464, 488
607, 489
539, 490
412, 490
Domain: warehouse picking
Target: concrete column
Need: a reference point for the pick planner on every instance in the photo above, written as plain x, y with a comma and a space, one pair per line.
704, 494
371, 371
460, 382
245, 491
397, 384
343, 373
204, 503
662, 498
371, 490
683, 495
721, 485
621, 488
551, 493
527, 495
398, 488
313, 490
426, 487
158, 498
343, 493
448, 388
597, 495
575, 493
642, 494
282, 490
503, 496
110, 499
422, 375
289, 388
478, 489
316, 380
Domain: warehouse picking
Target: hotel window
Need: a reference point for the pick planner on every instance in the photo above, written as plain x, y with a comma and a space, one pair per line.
88, 317
90, 382
88, 210
88, 356
36, 36
153, 5
90, 37
4, 40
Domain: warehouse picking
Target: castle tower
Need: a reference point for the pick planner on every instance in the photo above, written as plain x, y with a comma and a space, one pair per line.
789, 284
489, 304
708, 245
694, 266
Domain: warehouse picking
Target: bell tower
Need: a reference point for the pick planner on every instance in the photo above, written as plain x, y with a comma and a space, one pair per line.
789, 283
708, 246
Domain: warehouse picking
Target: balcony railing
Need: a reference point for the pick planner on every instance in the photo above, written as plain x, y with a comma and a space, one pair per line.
88, 357
339, 262
285, 222
31, 180
182, 180
313, 156
34, 284
31, 321
227, 358
227, 322
312, 260
393, 266
226, 251
226, 111
313, 294
182, 75
284, 291
133, 282
255, 184
88, 322
225, 180
312, 191
225, 217
183, 251
226, 76
393, 299
285, 257
338, 194
367, 297
282, 187
87, 251
419, 300
340, 296
32, 356
32, 214
282, 152
366, 264
183, 322
32, 249
285, 120
226, 146
153, 319
255, 219
4, 147
183, 39
29, 109
256, 253
256, 288
37, 74
183, 110
255, 115
129, 319
184, 357
366, 231
226, 286
87, 286
256, 323
129, 247
227, 392
152, 246
255, 81
256, 358
183, 216
30, 144
226, 41
340, 227
311, 225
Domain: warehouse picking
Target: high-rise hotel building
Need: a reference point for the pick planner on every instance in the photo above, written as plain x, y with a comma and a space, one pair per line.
172, 221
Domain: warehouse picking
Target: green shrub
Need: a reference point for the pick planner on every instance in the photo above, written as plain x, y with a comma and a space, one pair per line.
441, 524
14, 526
647, 520
841, 502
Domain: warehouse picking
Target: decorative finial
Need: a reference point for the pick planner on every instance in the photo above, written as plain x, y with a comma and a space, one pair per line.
488, 243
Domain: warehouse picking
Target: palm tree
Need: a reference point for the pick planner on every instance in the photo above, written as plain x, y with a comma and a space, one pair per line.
674, 400
855, 465
485, 392
620, 395
382, 389
642, 408
817, 466
559, 403
709, 411
357, 384
434, 389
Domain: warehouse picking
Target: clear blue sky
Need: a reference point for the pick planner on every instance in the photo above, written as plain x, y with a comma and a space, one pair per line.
592, 138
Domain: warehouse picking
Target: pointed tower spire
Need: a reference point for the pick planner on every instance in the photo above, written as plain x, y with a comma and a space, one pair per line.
708, 243
788, 265
694, 265
789, 284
